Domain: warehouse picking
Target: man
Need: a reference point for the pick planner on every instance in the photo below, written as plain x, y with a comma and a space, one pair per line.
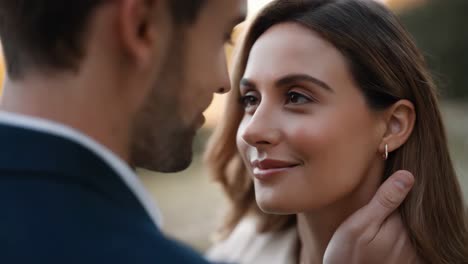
95, 88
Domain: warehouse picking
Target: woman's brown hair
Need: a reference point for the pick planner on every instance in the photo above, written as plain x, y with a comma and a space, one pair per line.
387, 67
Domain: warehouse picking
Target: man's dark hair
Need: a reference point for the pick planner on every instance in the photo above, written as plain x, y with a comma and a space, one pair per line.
185, 12
50, 33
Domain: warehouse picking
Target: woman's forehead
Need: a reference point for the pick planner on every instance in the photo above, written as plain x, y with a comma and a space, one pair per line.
291, 48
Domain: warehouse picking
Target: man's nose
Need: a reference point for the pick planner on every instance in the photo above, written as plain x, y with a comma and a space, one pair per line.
224, 80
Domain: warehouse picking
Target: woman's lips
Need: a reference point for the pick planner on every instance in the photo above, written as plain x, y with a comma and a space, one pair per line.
267, 168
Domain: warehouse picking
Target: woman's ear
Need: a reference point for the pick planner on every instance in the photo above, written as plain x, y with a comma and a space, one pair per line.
400, 119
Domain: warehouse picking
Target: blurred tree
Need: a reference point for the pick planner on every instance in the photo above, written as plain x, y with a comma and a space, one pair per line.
440, 28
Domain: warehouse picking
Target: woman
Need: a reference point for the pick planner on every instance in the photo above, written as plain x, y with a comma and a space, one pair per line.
329, 98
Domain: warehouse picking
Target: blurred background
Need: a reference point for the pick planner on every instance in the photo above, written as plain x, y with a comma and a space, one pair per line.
192, 205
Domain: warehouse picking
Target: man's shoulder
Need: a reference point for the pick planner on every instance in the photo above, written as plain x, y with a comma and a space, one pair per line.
57, 222
60, 203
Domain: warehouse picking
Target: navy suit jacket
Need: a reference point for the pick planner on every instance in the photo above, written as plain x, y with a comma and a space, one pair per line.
61, 203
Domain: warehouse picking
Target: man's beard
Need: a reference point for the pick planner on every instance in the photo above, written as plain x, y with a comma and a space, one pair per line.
161, 141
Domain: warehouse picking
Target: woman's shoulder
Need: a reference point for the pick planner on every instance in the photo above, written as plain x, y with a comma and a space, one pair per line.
246, 245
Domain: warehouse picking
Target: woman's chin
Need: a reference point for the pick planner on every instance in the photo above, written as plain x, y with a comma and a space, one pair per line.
276, 207
271, 204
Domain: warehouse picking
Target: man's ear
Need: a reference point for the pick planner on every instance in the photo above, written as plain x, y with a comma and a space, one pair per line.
400, 119
142, 25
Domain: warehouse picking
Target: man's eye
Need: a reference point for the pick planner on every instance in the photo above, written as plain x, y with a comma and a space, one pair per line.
296, 98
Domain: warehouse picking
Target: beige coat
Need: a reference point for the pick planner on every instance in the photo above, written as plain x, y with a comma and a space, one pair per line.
246, 246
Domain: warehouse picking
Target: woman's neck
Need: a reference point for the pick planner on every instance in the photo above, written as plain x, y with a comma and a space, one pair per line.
317, 227
316, 230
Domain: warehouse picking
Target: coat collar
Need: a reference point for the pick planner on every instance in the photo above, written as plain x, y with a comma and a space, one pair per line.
37, 146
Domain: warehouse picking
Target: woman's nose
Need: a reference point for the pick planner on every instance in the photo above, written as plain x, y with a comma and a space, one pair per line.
262, 129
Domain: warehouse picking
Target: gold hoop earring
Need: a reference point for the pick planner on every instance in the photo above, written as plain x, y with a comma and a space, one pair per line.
385, 156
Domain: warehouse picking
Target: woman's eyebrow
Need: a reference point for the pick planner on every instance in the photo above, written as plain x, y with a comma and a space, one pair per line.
247, 84
293, 78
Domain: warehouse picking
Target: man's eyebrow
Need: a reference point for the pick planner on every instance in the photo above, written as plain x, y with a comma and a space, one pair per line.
292, 78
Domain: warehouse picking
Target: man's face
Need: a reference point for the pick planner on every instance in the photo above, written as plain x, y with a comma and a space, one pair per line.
194, 69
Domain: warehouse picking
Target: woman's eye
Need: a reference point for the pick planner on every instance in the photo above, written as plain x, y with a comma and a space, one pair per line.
296, 98
248, 101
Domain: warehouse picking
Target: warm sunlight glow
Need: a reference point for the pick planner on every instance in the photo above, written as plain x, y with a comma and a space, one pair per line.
255, 5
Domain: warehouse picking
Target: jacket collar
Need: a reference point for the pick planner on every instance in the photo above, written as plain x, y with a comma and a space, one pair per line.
41, 146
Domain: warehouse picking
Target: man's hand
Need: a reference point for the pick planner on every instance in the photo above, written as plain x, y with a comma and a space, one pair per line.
375, 233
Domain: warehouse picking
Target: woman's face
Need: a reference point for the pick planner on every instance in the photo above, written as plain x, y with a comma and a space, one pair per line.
307, 135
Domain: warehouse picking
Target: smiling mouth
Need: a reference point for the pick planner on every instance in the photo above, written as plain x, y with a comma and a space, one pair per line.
266, 174
265, 169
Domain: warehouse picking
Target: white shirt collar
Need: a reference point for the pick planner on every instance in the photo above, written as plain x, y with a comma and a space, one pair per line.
117, 164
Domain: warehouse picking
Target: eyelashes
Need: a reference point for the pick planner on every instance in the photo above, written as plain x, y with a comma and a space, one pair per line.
298, 98
248, 100
251, 100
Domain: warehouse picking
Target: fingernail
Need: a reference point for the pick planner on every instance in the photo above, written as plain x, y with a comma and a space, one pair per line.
402, 185
403, 181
